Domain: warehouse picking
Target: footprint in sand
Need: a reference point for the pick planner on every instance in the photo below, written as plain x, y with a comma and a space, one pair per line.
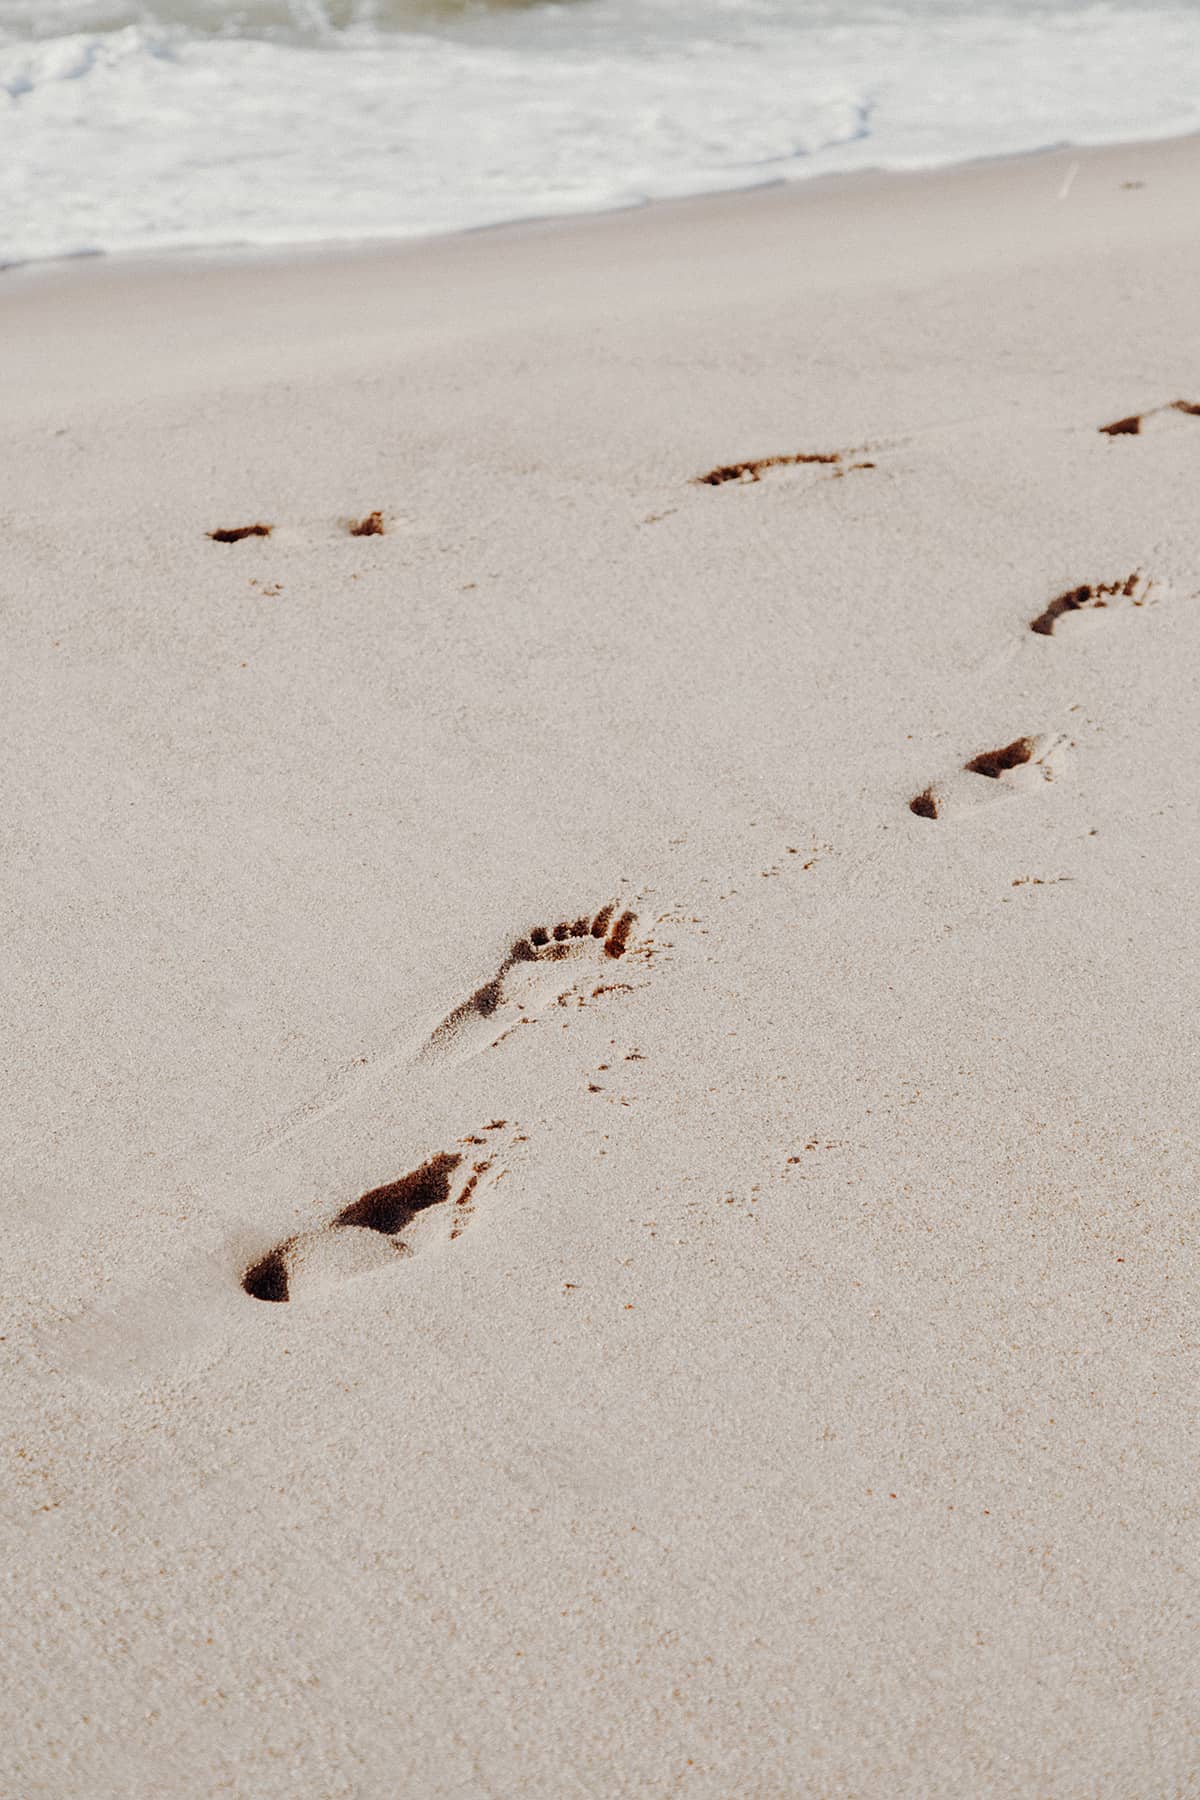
838, 462
1020, 767
435, 1202
234, 534
144, 1331
431, 1204
1156, 417
540, 971
1084, 605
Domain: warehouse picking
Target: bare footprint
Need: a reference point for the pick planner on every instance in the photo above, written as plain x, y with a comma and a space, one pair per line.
745, 472
234, 534
1081, 605
1019, 767
1135, 424
144, 1332
540, 971
403, 1216
431, 1204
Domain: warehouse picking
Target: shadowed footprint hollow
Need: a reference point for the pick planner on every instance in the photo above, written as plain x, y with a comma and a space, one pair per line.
386, 1211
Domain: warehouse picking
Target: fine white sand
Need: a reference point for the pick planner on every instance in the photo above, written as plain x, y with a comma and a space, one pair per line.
802, 1402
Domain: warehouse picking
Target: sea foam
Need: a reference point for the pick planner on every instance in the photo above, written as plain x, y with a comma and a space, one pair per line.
291, 128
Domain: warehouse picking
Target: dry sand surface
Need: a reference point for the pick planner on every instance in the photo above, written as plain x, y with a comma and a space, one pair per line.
744, 1348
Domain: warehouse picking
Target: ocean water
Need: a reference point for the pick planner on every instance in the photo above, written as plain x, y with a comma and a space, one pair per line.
164, 124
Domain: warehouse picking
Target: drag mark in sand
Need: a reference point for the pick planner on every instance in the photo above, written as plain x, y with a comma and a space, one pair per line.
541, 970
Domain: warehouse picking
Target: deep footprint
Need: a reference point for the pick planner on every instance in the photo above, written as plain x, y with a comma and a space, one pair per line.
366, 1234
538, 972
391, 1207
268, 1279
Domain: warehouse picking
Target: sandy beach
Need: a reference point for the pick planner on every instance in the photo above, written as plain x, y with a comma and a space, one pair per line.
562, 1236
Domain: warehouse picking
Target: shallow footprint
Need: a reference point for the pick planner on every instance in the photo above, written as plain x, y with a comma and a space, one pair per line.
1080, 606
754, 470
540, 971
1018, 767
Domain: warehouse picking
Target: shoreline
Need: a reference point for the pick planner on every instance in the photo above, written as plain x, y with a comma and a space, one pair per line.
303, 252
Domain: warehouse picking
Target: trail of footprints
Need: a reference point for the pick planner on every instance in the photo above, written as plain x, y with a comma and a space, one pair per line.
846, 462
371, 525
838, 463
1025, 763
436, 1201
